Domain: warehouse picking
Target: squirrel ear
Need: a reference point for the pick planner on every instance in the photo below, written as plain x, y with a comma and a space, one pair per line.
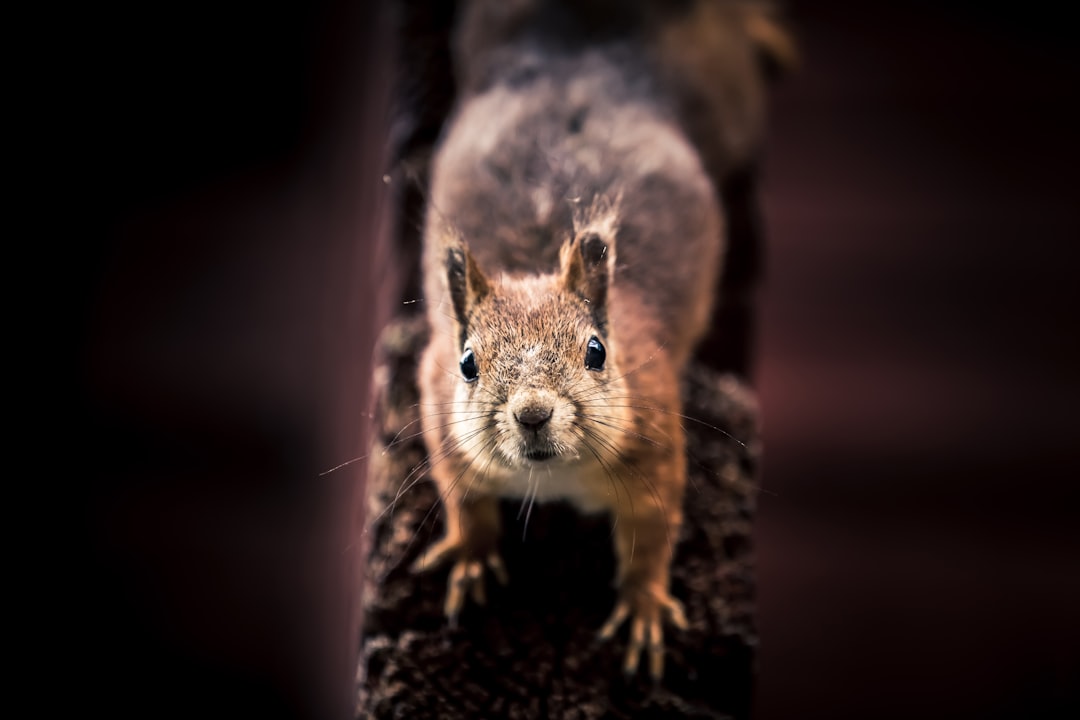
588, 262
776, 47
465, 281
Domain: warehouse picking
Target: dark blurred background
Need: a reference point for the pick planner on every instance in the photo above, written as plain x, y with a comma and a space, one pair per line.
222, 266
917, 538
919, 533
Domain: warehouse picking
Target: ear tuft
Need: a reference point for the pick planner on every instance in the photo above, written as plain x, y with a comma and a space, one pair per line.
465, 281
587, 266
593, 249
776, 47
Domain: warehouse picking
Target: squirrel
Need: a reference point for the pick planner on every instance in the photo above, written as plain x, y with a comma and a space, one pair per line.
572, 242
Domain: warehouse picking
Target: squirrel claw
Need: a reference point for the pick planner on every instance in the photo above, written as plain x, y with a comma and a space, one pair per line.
466, 576
648, 610
435, 555
497, 568
467, 579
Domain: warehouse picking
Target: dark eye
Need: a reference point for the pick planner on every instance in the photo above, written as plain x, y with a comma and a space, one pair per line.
468, 366
594, 355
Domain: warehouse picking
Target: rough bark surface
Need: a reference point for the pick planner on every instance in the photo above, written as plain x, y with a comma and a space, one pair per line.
531, 652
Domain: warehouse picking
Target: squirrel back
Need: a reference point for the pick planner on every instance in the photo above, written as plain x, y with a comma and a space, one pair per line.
573, 240
602, 115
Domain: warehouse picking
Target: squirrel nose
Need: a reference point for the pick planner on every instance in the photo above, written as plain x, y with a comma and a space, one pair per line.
533, 418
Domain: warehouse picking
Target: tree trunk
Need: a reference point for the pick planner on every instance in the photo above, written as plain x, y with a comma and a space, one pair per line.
531, 652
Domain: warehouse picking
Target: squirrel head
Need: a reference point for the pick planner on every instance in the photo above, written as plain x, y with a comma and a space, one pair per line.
537, 362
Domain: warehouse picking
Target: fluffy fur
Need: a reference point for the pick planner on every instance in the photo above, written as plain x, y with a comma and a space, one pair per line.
569, 201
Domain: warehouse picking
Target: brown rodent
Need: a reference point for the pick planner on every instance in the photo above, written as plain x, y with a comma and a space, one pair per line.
572, 242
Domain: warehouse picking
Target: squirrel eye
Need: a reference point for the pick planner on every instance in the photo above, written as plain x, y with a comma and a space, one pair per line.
594, 355
469, 371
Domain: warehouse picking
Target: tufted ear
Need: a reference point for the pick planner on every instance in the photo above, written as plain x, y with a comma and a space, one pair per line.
466, 283
776, 48
588, 263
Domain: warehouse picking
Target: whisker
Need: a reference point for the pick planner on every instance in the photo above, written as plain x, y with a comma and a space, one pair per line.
396, 440
440, 501
415, 475
527, 502
611, 475
344, 464
645, 480
626, 431
653, 408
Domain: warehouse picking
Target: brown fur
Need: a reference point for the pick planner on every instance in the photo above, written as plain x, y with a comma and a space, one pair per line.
569, 201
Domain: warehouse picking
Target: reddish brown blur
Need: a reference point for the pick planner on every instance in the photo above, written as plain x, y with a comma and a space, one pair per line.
232, 265
918, 540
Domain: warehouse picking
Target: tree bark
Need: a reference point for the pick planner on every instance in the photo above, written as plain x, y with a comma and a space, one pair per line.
531, 651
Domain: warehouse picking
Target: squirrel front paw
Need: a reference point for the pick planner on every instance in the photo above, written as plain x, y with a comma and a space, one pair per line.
466, 576
647, 609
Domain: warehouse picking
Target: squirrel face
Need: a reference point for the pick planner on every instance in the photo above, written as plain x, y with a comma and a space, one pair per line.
536, 372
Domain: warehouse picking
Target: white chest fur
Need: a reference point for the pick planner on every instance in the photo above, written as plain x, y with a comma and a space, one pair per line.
588, 486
